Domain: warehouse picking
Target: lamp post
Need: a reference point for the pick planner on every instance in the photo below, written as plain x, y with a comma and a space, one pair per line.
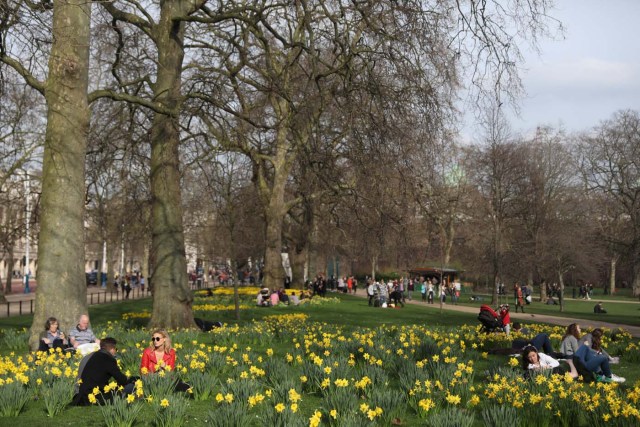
27, 189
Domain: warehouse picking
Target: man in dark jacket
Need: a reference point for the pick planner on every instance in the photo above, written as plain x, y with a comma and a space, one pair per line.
96, 369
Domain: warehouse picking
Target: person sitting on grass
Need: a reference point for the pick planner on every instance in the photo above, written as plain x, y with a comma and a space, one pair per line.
532, 360
159, 355
82, 333
588, 359
96, 370
293, 299
52, 337
275, 299
599, 309
590, 339
263, 299
282, 296
570, 340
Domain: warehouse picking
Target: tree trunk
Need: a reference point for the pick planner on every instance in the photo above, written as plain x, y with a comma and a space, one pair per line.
561, 282
236, 284
636, 278
496, 263
145, 258
374, 266
9, 260
172, 298
298, 263
61, 283
307, 266
4, 290
276, 208
274, 272
612, 275
449, 235
104, 264
543, 291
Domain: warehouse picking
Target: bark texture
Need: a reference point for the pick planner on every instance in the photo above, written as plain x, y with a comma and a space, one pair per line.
61, 283
172, 297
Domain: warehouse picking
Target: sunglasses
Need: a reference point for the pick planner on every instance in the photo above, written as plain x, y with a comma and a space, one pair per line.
156, 338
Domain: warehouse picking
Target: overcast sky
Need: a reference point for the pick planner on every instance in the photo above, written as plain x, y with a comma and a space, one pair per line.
593, 72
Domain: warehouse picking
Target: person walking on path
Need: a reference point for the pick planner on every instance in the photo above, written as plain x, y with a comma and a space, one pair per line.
519, 297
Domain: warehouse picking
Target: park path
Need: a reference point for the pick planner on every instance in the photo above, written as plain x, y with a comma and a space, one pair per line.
534, 317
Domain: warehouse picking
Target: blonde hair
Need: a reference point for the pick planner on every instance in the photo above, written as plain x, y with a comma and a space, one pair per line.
167, 340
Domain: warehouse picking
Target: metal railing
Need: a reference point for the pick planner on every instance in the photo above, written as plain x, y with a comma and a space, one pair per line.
102, 296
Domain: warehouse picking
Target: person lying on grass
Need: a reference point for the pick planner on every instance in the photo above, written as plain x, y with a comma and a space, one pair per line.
532, 360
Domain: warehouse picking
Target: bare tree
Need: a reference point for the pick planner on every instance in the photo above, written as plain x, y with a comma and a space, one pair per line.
497, 170
610, 166
226, 199
548, 177
289, 65
20, 142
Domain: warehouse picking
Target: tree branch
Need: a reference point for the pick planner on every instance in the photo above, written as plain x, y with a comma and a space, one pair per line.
120, 96
26, 75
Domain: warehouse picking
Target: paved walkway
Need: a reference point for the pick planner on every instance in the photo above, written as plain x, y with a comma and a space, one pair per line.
543, 318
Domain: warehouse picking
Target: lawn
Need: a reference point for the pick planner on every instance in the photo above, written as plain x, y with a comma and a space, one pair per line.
621, 310
336, 362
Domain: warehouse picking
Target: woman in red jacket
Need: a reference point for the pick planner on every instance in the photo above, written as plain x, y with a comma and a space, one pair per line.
159, 355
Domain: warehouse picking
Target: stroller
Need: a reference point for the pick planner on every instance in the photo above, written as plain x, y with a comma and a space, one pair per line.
491, 321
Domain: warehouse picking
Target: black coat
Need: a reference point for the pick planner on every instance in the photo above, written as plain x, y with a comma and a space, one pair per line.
96, 369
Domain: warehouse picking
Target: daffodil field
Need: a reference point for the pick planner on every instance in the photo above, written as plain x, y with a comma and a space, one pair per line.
285, 370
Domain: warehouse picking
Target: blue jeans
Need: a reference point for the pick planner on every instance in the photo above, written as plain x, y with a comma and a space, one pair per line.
542, 343
593, 361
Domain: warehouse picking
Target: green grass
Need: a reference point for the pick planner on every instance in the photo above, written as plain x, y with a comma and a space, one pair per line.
626, 313
358, 314
352, 312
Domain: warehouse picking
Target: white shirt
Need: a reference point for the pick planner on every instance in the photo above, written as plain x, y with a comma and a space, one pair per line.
545, 362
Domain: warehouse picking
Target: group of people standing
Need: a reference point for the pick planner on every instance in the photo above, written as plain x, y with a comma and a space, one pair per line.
320, 285
382, 294
400, 290
429, 288
129, 282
